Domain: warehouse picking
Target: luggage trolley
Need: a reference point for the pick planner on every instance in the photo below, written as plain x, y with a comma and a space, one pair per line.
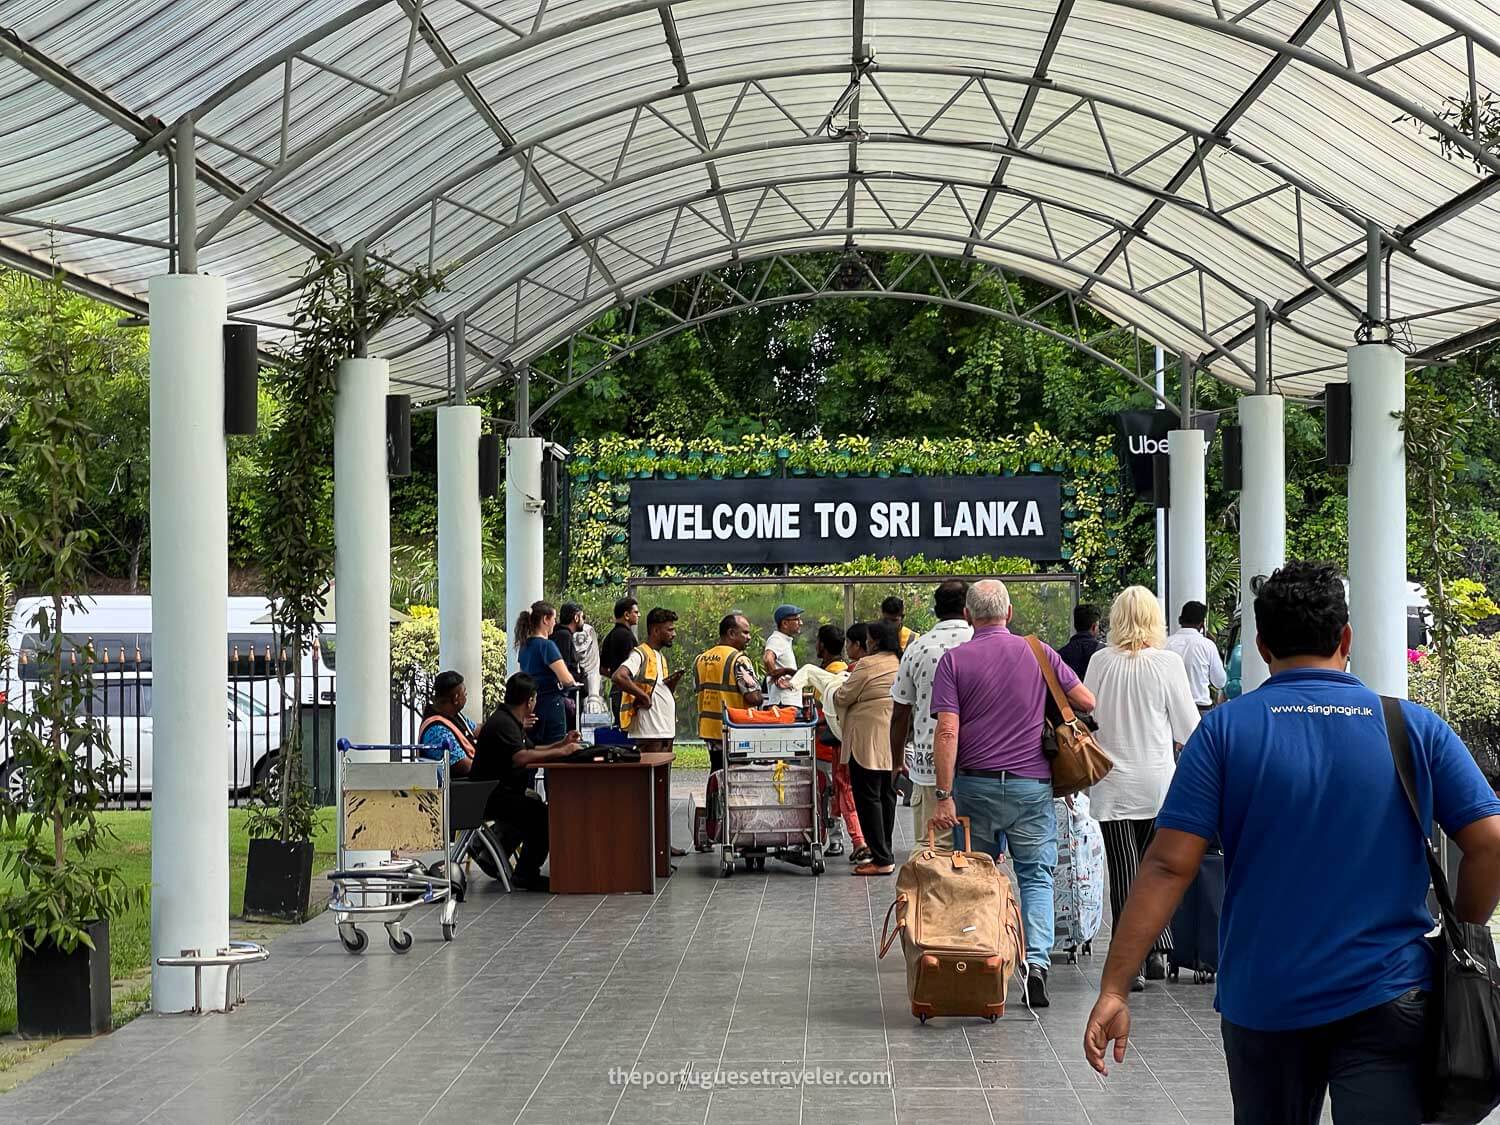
769, 796
401, 806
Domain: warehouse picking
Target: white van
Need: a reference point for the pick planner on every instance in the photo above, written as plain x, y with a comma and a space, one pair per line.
120, 627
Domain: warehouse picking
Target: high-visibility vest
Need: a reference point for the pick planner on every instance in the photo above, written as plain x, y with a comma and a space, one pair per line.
907, 636
717, 689
464, 738
647, 679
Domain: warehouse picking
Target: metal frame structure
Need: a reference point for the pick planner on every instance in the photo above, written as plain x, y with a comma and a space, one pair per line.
562, 157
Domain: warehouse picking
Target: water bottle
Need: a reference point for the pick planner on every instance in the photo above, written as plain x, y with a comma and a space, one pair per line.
595, 714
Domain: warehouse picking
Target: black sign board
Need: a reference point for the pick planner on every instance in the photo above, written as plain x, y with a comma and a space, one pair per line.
1143, 435
831, 520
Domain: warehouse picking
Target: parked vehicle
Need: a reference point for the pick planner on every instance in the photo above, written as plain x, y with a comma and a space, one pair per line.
121, 705
120, 628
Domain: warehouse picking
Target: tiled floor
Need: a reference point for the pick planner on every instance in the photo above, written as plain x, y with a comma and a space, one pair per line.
543, 1003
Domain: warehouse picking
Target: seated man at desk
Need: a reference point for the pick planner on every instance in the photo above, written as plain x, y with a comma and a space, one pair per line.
505, 754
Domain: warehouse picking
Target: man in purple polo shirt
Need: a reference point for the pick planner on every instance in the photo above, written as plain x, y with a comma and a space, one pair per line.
988, 697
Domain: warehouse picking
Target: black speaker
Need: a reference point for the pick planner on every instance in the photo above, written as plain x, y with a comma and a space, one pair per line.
1338, 423
1234, 458
398, 435
489, 465
551, 481
1161, 481
241, 372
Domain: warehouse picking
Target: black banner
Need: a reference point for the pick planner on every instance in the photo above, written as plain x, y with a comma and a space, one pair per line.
1143, 435
759, 521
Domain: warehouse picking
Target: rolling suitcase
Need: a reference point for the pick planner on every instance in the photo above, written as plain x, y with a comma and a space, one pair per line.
1195, 926
1078, 881
960, 926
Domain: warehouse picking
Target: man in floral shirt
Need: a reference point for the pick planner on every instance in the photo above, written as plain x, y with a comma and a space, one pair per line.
912, 724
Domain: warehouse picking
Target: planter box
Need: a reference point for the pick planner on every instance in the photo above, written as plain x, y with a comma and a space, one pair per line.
61, 993
278, 879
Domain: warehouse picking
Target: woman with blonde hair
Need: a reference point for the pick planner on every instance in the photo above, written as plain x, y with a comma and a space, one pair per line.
1145, 709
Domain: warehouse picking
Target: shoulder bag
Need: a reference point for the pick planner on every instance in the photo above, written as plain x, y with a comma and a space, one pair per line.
1462, 1067
1077, 761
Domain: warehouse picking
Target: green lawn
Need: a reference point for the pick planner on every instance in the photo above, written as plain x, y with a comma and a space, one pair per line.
130, 936
691, 757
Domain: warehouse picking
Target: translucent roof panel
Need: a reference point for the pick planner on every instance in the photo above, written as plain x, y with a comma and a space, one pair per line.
1173, 162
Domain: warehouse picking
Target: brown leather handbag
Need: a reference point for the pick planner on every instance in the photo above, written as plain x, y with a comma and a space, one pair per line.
1077, 761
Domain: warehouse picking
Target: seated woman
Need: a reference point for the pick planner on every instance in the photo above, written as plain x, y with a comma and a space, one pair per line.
445, 730
506, 754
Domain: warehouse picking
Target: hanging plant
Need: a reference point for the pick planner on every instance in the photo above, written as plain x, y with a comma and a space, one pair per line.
333, 320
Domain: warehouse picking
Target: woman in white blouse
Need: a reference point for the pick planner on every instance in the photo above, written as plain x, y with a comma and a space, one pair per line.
1145, 708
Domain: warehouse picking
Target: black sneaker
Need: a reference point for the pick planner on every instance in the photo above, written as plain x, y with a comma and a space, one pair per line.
1156, 967
538, 883
1036, 987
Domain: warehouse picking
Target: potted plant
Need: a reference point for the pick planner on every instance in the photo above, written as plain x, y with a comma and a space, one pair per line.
335, 316
55, 923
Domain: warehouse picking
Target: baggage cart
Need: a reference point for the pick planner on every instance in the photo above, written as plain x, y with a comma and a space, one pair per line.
398, 804
769, 794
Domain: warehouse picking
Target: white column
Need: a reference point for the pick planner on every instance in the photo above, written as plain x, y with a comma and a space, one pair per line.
1262, 516
1377, 518
1187, 536
362, 552
189, 608
1161, 513
460, 558
523, 532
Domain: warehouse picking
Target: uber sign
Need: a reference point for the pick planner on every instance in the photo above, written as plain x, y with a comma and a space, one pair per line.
1143, 435
760, 521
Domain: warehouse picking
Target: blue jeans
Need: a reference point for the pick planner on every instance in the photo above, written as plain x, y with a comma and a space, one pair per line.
1021, 808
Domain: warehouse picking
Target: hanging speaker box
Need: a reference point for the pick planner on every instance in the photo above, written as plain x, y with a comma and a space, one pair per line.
398, 435
241, 372
489, 465
1234, 458
1338, 421
1161, 481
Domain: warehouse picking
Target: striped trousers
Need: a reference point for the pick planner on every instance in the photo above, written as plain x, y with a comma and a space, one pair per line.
1125, 841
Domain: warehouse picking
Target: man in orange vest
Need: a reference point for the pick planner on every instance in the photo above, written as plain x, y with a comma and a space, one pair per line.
725, 677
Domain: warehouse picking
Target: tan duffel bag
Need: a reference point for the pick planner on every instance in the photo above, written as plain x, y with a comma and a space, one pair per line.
960, 926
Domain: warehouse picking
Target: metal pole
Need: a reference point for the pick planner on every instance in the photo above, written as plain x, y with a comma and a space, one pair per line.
1161, 513
523, 402
460, 359
187, 197
357, 277
1262, 349
1374, 275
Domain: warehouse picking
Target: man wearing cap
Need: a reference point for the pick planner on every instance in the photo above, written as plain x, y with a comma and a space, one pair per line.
780, 660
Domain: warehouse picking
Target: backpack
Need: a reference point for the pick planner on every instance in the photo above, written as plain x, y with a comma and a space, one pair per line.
960, 926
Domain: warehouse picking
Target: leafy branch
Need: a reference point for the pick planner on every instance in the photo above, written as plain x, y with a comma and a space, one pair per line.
336, 315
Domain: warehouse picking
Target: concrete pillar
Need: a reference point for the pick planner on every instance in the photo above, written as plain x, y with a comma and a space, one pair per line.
1262, 516
189, 632
523, 532
460, 553
1377, 518
1187, 542
362, 552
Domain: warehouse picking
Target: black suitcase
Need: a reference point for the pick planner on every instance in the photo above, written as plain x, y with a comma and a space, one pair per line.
1195, 926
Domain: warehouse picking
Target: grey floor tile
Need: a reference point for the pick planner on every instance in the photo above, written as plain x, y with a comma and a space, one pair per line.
941, 1107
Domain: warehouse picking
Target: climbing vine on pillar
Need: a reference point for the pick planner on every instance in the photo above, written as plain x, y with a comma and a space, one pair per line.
334, 318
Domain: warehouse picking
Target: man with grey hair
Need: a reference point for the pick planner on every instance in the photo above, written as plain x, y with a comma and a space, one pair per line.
989, 699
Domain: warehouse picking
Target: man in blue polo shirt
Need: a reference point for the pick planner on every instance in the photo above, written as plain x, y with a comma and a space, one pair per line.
1323, 964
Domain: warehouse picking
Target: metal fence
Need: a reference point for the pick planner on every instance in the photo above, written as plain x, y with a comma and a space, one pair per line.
262, 685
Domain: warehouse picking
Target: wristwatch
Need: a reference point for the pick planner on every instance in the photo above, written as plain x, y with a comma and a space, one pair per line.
943, 794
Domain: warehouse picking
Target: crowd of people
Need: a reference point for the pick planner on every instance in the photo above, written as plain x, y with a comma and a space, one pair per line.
1324, 967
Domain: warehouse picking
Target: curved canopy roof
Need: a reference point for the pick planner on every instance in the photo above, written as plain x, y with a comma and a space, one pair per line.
1172, 161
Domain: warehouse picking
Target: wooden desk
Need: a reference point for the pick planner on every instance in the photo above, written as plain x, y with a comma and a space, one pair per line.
610, 825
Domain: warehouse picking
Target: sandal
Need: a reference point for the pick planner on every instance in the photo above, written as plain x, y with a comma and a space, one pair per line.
861, 854
874, 869
835, 847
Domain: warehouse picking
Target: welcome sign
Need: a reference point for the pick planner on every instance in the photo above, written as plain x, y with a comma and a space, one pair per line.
760, 521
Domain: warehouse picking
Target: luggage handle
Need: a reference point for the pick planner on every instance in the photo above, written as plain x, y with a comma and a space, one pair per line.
958, 857
887, 934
